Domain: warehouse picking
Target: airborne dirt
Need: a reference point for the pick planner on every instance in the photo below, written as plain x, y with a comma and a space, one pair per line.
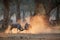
38, 24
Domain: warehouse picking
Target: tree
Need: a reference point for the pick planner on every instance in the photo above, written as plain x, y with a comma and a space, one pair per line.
48, 5
6, 14
24, 15
18, 17
36, 7
58, 13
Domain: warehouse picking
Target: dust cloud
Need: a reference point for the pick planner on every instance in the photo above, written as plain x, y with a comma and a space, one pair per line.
38, 24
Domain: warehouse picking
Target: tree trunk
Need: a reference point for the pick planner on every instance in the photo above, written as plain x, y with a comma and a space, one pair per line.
30, 12
6, 13
18, 17
23, 15
57, 14
36, 7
